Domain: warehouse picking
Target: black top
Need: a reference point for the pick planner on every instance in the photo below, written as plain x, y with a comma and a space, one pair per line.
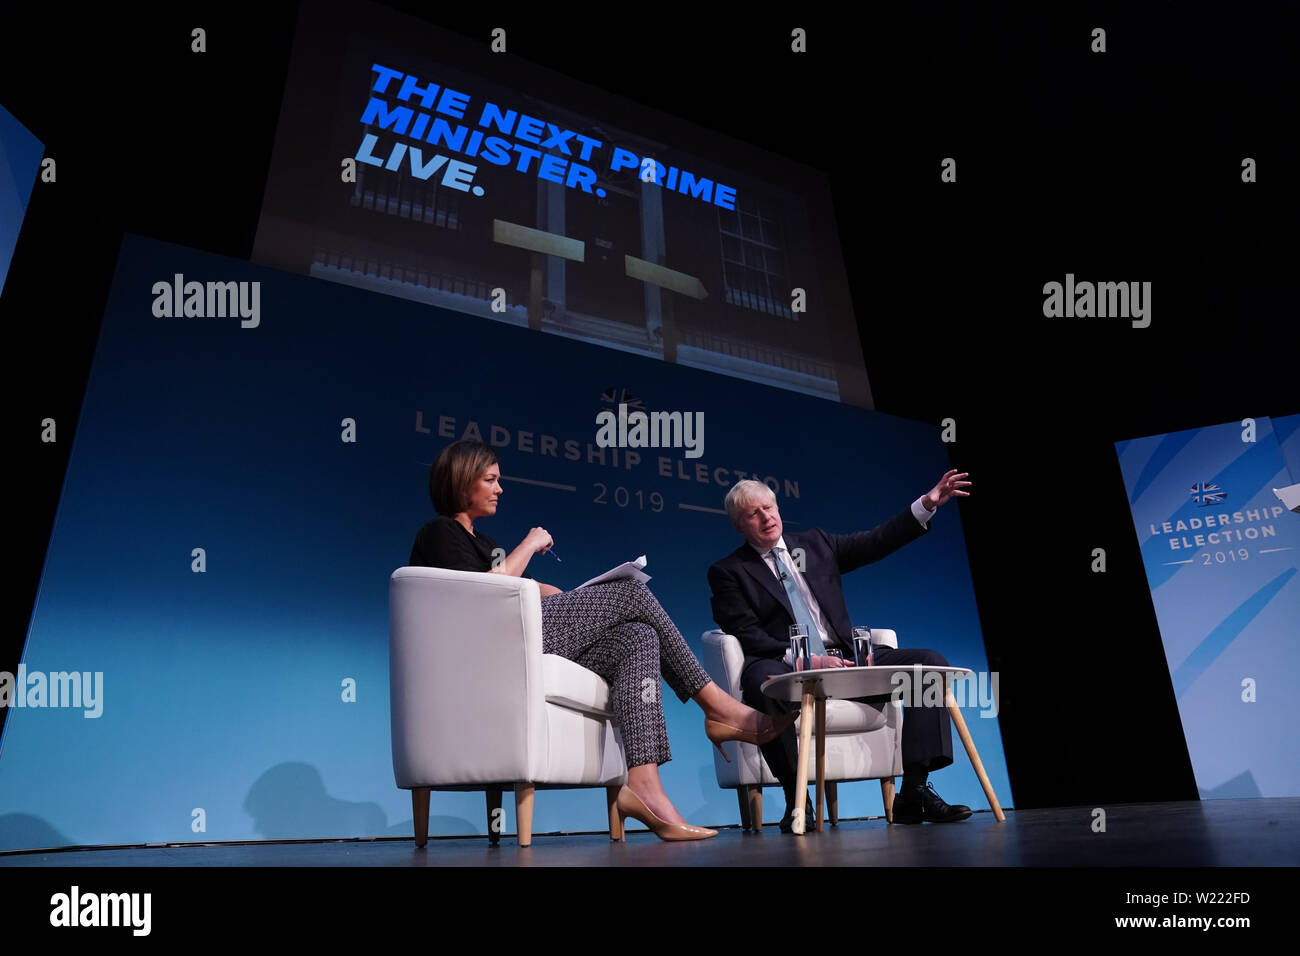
444, 543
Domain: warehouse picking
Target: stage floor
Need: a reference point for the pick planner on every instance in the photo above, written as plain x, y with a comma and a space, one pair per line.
1257, 832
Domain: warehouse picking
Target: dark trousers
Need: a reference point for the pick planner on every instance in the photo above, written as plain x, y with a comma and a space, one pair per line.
927, 731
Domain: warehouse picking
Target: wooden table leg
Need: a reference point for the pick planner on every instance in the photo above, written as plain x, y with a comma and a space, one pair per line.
820, 708
805, 746
960, 723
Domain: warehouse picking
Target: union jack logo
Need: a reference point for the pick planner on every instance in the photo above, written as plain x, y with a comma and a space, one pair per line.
1207, 493
617, 396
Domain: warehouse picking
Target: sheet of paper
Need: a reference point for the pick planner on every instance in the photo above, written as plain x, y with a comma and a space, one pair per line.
628, 569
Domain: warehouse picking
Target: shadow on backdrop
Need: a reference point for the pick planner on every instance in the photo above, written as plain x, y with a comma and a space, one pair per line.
1242, 785
23, 831
289, 802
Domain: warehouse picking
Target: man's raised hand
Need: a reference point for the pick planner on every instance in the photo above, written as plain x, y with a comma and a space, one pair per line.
950, 484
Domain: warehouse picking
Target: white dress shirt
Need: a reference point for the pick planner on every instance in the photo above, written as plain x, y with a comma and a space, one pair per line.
918, 511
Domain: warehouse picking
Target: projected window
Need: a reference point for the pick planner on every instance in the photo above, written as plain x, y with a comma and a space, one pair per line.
407, 200
415, 276
753, 258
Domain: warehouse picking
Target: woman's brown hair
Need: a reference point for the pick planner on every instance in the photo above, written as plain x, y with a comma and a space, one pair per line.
455, 470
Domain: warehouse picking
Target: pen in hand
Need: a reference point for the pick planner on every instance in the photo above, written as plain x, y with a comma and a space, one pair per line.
551, 552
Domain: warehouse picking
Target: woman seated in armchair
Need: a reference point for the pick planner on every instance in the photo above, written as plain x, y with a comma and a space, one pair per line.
616, 629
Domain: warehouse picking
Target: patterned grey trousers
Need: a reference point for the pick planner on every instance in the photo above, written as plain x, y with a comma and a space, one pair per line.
619, 630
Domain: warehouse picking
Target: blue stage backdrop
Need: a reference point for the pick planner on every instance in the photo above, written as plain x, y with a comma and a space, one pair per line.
20, 160
221, 701
1288, 436
1221, 555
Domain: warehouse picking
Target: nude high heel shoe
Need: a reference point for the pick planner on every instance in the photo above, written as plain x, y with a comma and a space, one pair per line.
719, 733
630, 805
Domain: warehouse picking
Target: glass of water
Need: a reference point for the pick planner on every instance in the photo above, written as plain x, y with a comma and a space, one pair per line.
799, 647
862, 646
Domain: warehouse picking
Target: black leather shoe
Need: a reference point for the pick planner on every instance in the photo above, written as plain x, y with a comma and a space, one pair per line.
809, 818
924, 805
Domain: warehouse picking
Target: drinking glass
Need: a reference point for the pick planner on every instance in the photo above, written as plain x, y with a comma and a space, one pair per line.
799, 647
862, 646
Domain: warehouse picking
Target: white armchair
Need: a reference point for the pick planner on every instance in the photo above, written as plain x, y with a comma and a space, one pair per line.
863, 741
476, 705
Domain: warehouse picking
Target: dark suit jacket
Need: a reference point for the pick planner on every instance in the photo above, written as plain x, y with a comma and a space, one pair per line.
749, 602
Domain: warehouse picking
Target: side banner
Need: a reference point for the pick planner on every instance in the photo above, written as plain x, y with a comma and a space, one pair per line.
1220, 551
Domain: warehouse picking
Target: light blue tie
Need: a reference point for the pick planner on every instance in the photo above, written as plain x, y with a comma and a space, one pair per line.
802, 613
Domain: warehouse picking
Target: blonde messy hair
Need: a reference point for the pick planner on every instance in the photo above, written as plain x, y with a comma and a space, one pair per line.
741, 494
